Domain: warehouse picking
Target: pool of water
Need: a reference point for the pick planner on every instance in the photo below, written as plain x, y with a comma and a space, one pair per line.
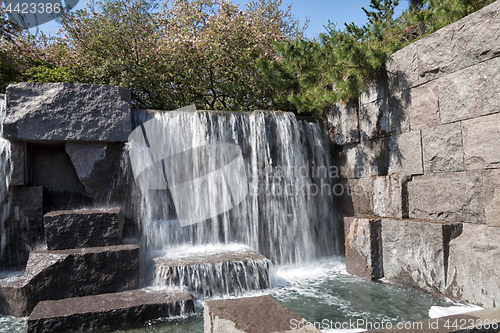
322, 292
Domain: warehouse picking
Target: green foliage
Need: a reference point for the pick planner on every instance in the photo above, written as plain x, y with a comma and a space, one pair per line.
340, 64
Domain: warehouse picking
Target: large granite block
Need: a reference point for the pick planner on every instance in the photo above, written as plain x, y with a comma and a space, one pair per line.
406, 154
390, 196
481, 140
356, 197
67, 111
108, 311
416, 253
209, 273
363, 247
453, 197
53, 275
343, 119
443, 148
370, 118
368, 158
70, 229
402, 68
474, 266
18, 160
423, 106
252, 314
470, 92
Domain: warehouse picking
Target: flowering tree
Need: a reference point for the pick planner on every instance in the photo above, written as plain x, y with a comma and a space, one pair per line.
168, 55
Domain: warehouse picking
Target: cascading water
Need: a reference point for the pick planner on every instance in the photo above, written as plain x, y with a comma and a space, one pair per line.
288, 214
5, 175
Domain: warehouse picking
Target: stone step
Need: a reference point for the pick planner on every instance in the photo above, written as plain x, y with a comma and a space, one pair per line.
221, 272
260, 314
108, 310
52, 275
71, 229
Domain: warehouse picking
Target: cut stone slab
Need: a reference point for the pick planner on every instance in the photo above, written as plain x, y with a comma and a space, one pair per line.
356, 196
390, 196
474, 266
481, 137
221, 272
67, 111
363, 247
406, 154
366, 159
423, 107
443, 148
18, 160
415, 253
53, 275
491, 197
260, 314
448, 196
70, 229
343, 119
402, 68
108, 310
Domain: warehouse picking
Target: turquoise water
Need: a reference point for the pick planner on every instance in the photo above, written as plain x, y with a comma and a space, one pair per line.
321, 292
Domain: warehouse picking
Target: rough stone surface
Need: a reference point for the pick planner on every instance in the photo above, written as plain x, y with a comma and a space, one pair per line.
402, 68
69, 229
415, 253
368, 158
208, 273
67, 111
481, 137
252, 315
443, 149
370, 118
53, 275
396, 120
23, 227
376, 90
18, 160
453, 197
108, 310
98, 168
470, 92
406, 154
474, 266
357, 196
390, 196
423, 107
343, 119
363, 247
491, 196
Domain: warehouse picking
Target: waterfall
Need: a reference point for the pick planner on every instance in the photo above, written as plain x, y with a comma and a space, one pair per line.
5, 175
265, 180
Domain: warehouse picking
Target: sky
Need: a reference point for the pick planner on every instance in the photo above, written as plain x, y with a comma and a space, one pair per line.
318, 12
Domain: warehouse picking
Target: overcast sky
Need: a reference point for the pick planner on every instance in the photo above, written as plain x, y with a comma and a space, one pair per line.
318, 12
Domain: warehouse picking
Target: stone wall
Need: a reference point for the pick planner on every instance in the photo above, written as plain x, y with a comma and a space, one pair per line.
67, 142
421, 148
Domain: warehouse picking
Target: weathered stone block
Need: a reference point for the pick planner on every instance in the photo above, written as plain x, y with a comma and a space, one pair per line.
98, 166
53, 275
402, 68
343, 119
67, 111
491, 197
474, 266
454, 197
368, 158
406, 154
423, 106
69, 229
396, 120
363, 247
416, 253
443, 149
108, 310
357, 196
370, 118
470, 92
24, 225
18, 160
252, 314
222, 272
376, 90
481, 138
390, 196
